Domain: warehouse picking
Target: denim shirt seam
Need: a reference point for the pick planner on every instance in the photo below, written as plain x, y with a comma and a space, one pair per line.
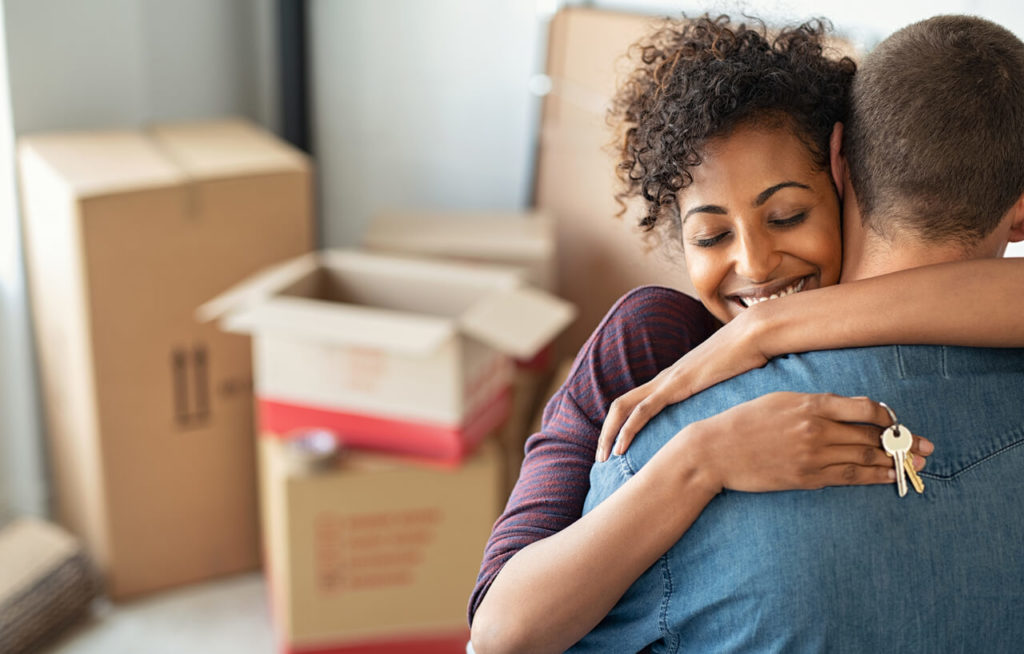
671, 643
625, 467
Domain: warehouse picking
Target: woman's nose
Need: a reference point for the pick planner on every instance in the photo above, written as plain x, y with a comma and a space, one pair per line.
756, 257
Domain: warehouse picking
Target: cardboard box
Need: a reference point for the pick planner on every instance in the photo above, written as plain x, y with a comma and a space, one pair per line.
600, 256
524, 240
397, 354
149, 414
375, 554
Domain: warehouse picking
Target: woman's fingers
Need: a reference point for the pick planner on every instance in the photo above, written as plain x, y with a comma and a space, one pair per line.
848, 409
618, 411
641, 415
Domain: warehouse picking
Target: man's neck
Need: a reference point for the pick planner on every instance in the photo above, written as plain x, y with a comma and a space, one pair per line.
866, 253
879, 256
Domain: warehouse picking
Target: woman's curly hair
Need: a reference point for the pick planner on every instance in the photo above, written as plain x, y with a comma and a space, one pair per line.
699, 79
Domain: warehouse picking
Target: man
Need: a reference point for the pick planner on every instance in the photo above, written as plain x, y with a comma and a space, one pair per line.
859, 569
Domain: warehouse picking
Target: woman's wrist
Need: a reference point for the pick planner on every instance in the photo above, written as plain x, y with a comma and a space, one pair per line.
764, 326
692, 459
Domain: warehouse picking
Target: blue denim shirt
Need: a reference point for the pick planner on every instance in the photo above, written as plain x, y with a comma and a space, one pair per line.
848, 569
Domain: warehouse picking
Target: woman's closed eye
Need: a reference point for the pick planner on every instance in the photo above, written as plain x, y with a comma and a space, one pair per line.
708, 241
792, 221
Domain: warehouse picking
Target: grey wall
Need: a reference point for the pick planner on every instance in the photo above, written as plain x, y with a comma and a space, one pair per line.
74, 64
422, 105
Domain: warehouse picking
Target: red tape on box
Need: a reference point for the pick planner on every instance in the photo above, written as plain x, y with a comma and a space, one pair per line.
444, 443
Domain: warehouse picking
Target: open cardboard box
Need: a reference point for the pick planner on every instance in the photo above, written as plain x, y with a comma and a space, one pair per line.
404, 355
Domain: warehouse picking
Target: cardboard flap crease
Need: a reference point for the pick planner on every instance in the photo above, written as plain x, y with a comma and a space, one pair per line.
351, 325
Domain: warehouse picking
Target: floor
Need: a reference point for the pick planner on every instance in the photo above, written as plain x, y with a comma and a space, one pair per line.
227, 616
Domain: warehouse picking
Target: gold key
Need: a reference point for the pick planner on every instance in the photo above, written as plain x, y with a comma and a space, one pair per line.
912, 475
897, 441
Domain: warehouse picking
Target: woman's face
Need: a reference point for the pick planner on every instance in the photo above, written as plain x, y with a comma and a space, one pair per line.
759, 221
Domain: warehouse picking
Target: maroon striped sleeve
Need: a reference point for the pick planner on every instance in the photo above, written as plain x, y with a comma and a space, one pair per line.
646, 331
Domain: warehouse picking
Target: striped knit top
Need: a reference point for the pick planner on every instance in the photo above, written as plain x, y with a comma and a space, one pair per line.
646, 331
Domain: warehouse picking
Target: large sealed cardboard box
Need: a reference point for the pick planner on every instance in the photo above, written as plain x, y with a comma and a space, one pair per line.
150, 414
375, 554
525, 240
398, 354
600, 256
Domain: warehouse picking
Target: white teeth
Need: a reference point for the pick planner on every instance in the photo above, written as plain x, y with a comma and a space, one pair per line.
795, 288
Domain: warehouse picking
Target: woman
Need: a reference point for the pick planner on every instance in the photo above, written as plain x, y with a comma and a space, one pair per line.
716, 113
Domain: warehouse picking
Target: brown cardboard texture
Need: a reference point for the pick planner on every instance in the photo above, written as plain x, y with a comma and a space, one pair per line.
600, 256
525, 240
366, 334
149, 414
375, 549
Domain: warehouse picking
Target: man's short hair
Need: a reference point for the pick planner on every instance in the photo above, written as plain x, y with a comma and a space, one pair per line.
935, 137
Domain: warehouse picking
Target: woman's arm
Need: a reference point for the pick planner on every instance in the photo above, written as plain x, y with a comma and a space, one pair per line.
978, 303
971, 303
551, 593
644, 332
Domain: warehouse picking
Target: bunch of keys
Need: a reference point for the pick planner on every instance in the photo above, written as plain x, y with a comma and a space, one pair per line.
896, 441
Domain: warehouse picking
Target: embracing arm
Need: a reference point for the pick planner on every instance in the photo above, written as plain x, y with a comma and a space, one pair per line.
554, 591
977, 303
971, 303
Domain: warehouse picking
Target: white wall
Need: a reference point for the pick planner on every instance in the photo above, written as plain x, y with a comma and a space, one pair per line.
423, 105
71, 64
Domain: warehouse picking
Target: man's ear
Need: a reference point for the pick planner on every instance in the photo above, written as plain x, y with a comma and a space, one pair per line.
1016, 232
836, 159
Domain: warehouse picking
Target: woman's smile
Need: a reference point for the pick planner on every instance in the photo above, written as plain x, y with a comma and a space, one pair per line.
760, 221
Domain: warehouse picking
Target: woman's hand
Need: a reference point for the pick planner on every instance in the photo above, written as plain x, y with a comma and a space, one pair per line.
795, 441
730, 351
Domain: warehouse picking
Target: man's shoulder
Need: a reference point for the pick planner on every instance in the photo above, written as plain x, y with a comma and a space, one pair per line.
893, 361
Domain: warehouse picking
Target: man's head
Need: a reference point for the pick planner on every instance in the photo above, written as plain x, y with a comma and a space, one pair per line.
934, 142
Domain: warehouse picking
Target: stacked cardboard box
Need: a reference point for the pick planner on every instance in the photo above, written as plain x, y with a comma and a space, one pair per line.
410, 356
525, 241
375, 553
406, 356
149, 414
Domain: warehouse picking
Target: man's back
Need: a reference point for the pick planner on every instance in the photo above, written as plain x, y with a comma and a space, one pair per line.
851, 569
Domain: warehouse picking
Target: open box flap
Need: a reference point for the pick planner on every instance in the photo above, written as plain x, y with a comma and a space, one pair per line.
349, 325
258, 288
518, 322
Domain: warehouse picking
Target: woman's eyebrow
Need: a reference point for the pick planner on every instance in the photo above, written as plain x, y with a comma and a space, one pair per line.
705, 208
763, 196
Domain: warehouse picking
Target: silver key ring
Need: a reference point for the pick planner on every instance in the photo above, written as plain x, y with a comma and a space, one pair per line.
892, 416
